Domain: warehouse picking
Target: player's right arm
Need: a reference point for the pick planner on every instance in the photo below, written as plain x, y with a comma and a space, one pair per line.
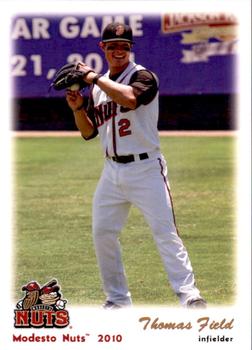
85, 125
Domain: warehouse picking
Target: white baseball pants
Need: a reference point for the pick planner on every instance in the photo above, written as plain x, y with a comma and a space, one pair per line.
142, 183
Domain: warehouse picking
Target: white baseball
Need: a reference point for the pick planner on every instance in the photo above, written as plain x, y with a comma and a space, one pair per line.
60, 304
75, 87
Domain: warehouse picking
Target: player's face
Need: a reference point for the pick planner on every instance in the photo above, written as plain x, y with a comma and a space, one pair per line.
117, 54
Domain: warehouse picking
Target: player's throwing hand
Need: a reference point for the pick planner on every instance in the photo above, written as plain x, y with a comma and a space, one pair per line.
74, 99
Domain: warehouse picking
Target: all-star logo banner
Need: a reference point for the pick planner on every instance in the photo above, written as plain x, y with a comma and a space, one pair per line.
203, 35
190, 53
41, 306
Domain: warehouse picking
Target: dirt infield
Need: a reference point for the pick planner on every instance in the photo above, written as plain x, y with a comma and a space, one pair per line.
210, 133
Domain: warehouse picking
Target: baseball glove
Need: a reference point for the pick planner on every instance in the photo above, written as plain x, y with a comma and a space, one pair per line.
30, 299
71, 74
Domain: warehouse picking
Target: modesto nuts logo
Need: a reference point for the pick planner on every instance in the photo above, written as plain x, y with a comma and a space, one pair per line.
41, 307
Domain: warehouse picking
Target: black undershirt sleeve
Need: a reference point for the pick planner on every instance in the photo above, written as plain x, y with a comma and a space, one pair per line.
145, 86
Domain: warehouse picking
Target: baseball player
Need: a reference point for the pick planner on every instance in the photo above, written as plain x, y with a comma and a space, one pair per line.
123, 110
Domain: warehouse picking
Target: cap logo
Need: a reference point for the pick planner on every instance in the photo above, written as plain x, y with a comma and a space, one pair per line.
119, 30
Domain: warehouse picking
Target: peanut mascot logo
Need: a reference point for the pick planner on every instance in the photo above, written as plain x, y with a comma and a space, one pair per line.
41, 307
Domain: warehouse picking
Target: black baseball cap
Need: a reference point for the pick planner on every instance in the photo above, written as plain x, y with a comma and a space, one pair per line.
117, 32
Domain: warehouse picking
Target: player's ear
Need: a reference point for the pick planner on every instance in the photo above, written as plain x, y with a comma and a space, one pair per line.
102, 45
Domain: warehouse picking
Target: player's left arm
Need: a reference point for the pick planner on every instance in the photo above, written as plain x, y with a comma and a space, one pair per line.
145, 87
120, 93
142, 89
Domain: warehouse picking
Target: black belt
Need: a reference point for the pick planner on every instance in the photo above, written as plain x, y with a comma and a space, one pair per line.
129, 158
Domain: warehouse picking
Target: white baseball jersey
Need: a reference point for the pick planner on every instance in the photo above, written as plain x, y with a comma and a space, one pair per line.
123, 131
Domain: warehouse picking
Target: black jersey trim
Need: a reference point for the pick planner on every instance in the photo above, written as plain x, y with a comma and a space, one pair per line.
169, 193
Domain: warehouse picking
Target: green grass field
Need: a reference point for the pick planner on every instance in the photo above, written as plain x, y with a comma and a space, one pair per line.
54, 181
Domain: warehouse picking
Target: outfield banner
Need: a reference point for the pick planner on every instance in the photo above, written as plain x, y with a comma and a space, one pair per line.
190, 53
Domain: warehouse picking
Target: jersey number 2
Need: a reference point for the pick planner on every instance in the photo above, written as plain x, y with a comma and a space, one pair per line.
124, 125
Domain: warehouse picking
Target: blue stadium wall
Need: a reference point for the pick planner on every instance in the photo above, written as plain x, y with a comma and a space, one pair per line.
194, 56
